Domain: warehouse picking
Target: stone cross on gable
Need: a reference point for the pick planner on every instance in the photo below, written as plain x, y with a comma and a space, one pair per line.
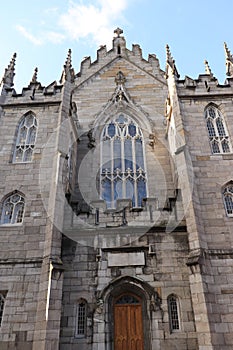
118, 32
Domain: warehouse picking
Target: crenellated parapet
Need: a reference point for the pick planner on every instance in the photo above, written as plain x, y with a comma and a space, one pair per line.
88, 69
35, 92
206, 85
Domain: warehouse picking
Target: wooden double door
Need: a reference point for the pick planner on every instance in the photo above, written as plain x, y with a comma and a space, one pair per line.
128, 323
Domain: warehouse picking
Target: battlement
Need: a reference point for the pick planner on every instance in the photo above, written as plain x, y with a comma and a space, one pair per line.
33, 94
119, 51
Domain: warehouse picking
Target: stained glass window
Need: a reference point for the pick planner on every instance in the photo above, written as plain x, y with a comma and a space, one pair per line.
26, 138
218, 137
228, 199
123, 172
127, 299
13, 209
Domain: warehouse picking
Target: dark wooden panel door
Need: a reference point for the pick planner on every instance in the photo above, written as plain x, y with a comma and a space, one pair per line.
128, 326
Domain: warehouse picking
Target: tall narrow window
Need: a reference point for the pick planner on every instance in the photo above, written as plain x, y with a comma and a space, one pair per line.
228, 199
12, 209
173, 312
26, 138
122, 162
81, 319
2, 304
218, 136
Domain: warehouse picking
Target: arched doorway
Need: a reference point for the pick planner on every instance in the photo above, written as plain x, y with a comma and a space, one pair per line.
128, 322
129, 301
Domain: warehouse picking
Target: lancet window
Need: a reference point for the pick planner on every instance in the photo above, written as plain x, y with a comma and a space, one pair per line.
173, 312
2, 304
26, 138
218, 136
123, 172
81, 318
13, 209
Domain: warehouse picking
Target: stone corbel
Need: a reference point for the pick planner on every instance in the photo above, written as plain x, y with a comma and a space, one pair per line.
152, 140
91, 143
99, 306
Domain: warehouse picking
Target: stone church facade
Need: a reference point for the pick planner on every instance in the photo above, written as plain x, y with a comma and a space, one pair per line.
116, 207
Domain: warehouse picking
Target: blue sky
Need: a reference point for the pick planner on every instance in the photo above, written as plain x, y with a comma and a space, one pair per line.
41, 32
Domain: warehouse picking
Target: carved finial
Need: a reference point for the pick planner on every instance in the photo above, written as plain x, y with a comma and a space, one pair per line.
68, 72
118, 32
207, 68
8, 78
68, 63
171, 62
227, 51
168, 52
34, 77
120, 78
120, 92
229, 61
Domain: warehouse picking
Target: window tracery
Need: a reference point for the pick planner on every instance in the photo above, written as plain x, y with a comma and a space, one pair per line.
26, 138
123, 172
228, 199
218, 136
13, 209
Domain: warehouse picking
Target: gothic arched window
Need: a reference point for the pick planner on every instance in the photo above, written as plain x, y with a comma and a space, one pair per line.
123, 172
2, 304
81, 319
228, 199
12, 209
26, 138
218, 136
173, 312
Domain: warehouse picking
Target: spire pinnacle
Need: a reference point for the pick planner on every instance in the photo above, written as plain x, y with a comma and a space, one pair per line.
34, 77
207, 68
229, 61
171, 62
68, 72
8, 78
68, 62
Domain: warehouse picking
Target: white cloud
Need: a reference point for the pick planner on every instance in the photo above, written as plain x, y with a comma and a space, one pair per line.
54, 37
92, 21
29, 36
49, 36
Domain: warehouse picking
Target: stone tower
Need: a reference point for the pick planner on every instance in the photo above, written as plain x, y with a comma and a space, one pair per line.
116, 195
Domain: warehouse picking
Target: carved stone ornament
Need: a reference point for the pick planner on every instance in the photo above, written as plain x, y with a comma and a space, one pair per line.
100, 306
91, 143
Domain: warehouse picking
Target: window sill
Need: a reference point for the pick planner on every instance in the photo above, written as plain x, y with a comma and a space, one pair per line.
23, 162
11, 225
137, 209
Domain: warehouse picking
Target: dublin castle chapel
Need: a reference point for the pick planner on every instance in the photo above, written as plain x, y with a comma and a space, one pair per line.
116, 207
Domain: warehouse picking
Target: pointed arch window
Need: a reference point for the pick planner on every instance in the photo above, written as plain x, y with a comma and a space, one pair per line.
218, 136
81, 319
173, 312
123, 174
13, 209
2, 304
228, 199
26, 137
